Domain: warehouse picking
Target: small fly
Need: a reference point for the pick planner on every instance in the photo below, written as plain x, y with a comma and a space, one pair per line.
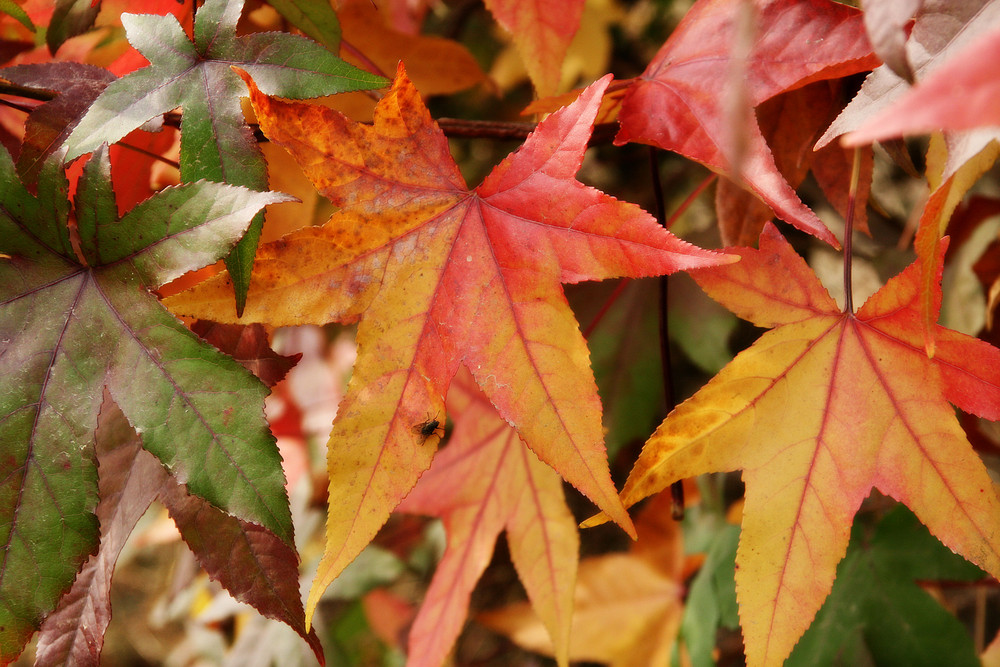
428, 428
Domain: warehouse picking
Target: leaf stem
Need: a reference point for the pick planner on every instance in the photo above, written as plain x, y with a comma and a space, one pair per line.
690, 199
852, 197
622, 284
150, 154
42, 94
677, 488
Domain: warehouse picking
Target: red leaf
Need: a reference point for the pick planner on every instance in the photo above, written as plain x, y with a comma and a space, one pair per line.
679, 102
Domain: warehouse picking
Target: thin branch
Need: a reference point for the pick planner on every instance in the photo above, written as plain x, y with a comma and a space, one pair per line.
452, 127
677, 488
690, 199
852, 195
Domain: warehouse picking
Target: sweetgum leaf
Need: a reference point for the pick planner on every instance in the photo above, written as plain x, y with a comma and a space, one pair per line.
443, 276
316, 19
541, 532
942, 29
69, 330
248, 345
542, 33
682, 101
819, 411
216, 143
13, 9
253, 563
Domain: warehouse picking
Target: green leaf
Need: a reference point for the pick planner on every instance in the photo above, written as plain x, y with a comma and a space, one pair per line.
877, 611
70, 18
316, 19
69, 331
13, 9
711, 602
216, 143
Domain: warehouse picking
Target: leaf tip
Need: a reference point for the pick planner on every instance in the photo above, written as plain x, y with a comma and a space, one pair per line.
598, 519
242, 73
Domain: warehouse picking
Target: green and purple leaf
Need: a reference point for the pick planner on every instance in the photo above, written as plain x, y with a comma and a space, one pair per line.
216, 143
69, 330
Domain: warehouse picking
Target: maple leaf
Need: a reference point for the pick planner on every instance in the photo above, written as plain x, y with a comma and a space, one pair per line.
818, 412
441, 276
626, 606
67, 330
519, 494
679, 101
542, 33
216, 143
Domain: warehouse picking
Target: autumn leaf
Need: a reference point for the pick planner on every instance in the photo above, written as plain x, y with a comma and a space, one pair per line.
70, 18
484, 482
14, 10
941, 32
216, 143
960, 94
886, 22
441, 276
542, 32
69, 330
626, 606
436, 65
249, 346
74, 632
679, 103
817, 413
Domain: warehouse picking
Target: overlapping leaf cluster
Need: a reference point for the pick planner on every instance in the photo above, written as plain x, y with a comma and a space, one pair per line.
109, 402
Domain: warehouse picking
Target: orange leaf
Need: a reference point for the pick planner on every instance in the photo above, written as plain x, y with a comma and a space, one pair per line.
680, 103
542, 32
438, 66
483, 482
441, 276
628, 606
817, 413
